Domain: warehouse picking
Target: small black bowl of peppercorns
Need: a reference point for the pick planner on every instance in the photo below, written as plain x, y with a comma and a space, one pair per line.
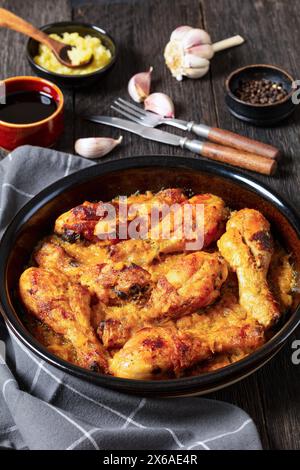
260, 94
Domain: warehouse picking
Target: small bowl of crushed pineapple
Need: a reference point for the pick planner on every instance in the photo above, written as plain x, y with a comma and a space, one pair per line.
90, 43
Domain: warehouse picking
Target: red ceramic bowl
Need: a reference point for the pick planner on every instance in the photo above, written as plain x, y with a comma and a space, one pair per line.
42, 133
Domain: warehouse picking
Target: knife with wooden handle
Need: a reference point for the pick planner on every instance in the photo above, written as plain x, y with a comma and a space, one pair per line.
231, 156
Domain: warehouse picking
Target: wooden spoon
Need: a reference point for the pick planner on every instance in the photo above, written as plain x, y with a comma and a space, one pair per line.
59, 49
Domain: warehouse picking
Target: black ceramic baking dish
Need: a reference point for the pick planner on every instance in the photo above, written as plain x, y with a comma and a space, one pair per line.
124, 177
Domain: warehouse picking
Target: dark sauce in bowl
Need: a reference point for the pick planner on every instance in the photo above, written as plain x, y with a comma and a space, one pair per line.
27, 107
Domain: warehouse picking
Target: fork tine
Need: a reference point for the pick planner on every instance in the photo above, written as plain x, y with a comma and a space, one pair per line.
129, 116
129, 110
132, 106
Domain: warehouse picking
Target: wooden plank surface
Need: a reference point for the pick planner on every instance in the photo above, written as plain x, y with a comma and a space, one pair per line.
272, 29
141, 28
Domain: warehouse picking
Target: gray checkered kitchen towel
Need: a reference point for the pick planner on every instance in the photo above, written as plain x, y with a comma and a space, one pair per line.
42, 407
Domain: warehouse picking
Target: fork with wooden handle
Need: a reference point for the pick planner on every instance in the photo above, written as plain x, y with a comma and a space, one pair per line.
213, 134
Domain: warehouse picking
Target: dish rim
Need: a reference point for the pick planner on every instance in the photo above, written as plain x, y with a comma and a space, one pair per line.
202, 381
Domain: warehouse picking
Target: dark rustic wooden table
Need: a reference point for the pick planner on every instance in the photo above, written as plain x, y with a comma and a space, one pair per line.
141, 28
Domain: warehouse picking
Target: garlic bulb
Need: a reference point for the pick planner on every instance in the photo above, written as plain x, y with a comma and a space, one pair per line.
96, 147
139, 86
189, 51
161, 104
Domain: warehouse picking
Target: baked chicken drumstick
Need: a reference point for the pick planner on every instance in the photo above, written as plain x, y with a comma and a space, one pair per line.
129, 296
247, 246
168, 351
145, 251
84, 221
189, 283
65, 307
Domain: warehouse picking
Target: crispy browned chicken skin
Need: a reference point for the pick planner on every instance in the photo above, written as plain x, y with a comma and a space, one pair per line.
162, 352
84, 221
65, 307
146, 250
192, 282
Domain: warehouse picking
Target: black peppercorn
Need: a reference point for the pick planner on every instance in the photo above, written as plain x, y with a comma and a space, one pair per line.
260, 91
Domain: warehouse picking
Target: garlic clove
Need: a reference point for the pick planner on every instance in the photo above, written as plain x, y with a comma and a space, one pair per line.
204, 50
195, 72
179, 32
161, 104
139, 86
195, 37
96, 147
194, 61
